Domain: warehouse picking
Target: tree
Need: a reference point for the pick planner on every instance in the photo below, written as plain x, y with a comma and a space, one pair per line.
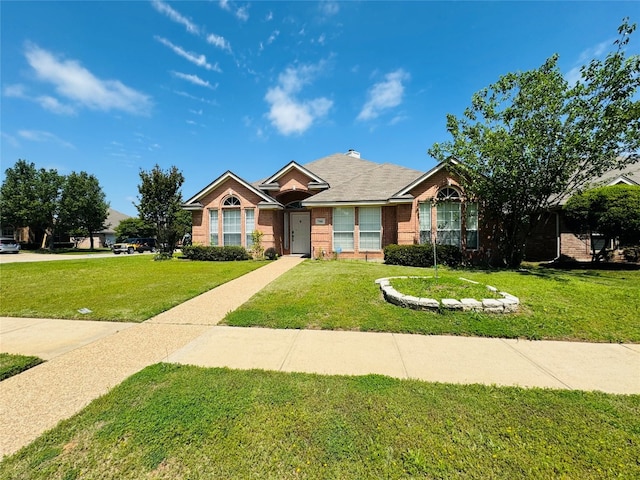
83, 207
31, 198
161, 202
531, 138
613, 212
134, 227
17, 195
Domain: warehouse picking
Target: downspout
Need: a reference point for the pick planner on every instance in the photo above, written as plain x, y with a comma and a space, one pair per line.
558, 243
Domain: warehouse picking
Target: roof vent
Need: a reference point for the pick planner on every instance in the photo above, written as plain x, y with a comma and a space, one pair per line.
353, 153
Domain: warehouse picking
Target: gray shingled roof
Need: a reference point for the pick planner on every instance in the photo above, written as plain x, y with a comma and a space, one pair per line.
354, 179
114, 218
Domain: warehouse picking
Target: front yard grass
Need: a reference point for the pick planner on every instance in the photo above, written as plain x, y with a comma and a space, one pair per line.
129, 289
11, 365
584, 305
171, 421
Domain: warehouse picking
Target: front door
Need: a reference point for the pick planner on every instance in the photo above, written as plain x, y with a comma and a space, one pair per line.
300, 228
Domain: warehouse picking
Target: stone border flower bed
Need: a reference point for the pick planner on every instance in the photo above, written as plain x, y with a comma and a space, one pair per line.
507, 304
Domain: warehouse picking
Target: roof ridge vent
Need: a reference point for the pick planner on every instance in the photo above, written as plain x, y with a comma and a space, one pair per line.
352, 153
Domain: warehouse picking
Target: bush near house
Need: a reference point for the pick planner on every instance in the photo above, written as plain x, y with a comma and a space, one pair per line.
215, 254
422, 255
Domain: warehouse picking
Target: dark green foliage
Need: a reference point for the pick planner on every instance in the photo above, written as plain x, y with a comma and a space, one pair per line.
134, 227
215, 254
271, 254
161, 204
422, 255
83, 206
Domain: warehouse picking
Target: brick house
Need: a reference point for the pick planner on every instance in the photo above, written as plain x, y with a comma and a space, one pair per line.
340, 204
554, 237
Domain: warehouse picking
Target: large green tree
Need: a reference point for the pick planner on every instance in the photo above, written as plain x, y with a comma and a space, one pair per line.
134, 227
30, 197
83, 206
532, 137
160, 201
612, 211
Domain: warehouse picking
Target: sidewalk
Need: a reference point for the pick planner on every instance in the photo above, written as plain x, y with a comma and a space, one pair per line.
86, 359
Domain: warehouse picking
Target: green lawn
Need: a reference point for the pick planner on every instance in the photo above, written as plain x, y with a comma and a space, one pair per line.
11, 365
599, 306
129, 289
174, 422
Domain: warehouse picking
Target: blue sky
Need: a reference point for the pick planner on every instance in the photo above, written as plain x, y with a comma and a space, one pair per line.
114, 87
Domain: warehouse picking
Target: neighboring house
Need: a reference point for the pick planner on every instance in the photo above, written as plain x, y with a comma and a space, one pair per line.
554, 237
106, 237
340, 204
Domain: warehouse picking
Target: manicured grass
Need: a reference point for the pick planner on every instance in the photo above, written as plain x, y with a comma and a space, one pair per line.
173, 422
119, 289
11, 365
599, 306
444, 286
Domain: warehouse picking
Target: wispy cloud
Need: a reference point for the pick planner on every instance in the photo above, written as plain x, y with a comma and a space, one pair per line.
45, 101
288, 114
591, 53
218, 41
196, 80
10, 139
79, 86
42, 136
165, 9
193, 97
329, 8
241, 13
384, 95
197, 59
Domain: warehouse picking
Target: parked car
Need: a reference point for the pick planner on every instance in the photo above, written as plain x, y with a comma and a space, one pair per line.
9, 245
131, 245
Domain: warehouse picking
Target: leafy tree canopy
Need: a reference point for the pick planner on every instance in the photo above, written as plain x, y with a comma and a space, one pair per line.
531, 138
160, 203
134, 227
83, 205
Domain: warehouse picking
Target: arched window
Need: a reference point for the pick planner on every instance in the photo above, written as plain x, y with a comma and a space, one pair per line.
449, 221
448, 193
231, 201
231, 221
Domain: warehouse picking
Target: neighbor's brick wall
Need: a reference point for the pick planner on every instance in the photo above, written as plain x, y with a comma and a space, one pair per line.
293, 180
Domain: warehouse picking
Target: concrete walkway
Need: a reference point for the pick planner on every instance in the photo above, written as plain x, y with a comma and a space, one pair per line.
87, 359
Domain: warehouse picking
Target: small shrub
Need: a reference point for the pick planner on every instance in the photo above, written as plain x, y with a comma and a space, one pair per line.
257, 250
271, 254
215, 254
422, 255
632, 254
162, 256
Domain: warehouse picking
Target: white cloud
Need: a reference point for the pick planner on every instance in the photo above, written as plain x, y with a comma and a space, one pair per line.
594, 52
287, 113
77, 84
196, 80
241, 13
10, 139
42, 136
218, 41
197, 59
193, 97
47, 102
329, 8
384, 95
165, 9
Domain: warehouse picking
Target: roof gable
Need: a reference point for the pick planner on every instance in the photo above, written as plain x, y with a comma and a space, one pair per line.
286, 169
193, 202
423, 178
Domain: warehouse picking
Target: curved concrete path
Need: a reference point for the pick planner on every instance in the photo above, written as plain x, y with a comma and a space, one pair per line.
87, 359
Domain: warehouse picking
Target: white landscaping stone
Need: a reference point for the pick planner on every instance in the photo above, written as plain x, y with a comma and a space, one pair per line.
467, 280
492, 289
471, 304
429, 303
451, 303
